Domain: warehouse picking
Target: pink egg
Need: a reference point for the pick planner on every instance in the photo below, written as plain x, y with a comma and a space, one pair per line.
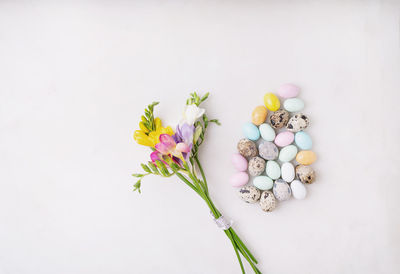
239, 179
288, 91
239, 162
284, 139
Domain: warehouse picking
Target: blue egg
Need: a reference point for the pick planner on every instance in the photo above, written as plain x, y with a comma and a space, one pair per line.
303, 140
251, 131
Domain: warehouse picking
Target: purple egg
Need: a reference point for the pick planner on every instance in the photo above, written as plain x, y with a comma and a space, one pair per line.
284, 139
239, 179
239, 162
288, 91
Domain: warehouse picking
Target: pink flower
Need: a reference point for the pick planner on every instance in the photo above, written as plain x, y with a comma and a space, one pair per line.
167, 146
155, 155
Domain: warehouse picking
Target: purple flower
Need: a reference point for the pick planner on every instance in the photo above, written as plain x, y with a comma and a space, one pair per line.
184, 134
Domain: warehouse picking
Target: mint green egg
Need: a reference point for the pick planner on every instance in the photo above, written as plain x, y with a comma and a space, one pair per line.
263, 182
287, 153
273, 170
293, 104
267, 132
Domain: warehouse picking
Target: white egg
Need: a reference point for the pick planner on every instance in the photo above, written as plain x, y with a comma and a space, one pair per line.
287, 171
299, 191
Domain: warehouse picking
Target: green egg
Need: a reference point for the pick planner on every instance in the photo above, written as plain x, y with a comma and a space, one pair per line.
273, 170
263, 182
287, 153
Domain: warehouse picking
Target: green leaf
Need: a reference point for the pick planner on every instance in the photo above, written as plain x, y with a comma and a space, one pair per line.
215, 121
159, 166
137, 175
162, 168
146, 168
137, 186
153, 104
205, 120
148, 117
153, 168
204, 97
174, 166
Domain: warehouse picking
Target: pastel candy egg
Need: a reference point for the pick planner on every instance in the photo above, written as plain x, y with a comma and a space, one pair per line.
267, 201
281, 190
288, 91
267, 132
247, 148
273, 170
249, 194
256, 166
263, 182
284, 139
239, 179
303, 140
293, 104
239, 162
251, 132
306, 157
271, 101
288, 172
299, 191
287, 153
268, 150
259, 115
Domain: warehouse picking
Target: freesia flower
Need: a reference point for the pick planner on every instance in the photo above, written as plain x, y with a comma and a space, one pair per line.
156, 155
145, 138
184, 133
192, 113
168, 146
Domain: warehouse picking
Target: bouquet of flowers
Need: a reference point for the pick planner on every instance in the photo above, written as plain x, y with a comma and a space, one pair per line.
176, 154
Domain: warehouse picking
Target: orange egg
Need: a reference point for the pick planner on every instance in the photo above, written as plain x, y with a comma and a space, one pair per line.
259, 115
306, 157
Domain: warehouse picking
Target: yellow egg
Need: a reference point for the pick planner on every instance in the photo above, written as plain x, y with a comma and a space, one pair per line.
271, 101
306, 157
259, 115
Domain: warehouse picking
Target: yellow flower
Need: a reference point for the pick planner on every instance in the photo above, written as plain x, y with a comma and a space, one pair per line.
150, 139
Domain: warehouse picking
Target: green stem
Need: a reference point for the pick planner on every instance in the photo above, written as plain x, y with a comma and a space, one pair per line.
239, 244
202, 173
243, 246
187, 182
191, 175
230, 233
236, 250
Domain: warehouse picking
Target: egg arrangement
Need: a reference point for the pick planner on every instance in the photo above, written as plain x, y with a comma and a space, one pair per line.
275, 154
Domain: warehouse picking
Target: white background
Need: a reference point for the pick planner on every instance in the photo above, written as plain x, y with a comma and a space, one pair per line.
74, 79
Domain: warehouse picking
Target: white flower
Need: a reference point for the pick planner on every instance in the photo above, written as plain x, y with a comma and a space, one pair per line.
192, 113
